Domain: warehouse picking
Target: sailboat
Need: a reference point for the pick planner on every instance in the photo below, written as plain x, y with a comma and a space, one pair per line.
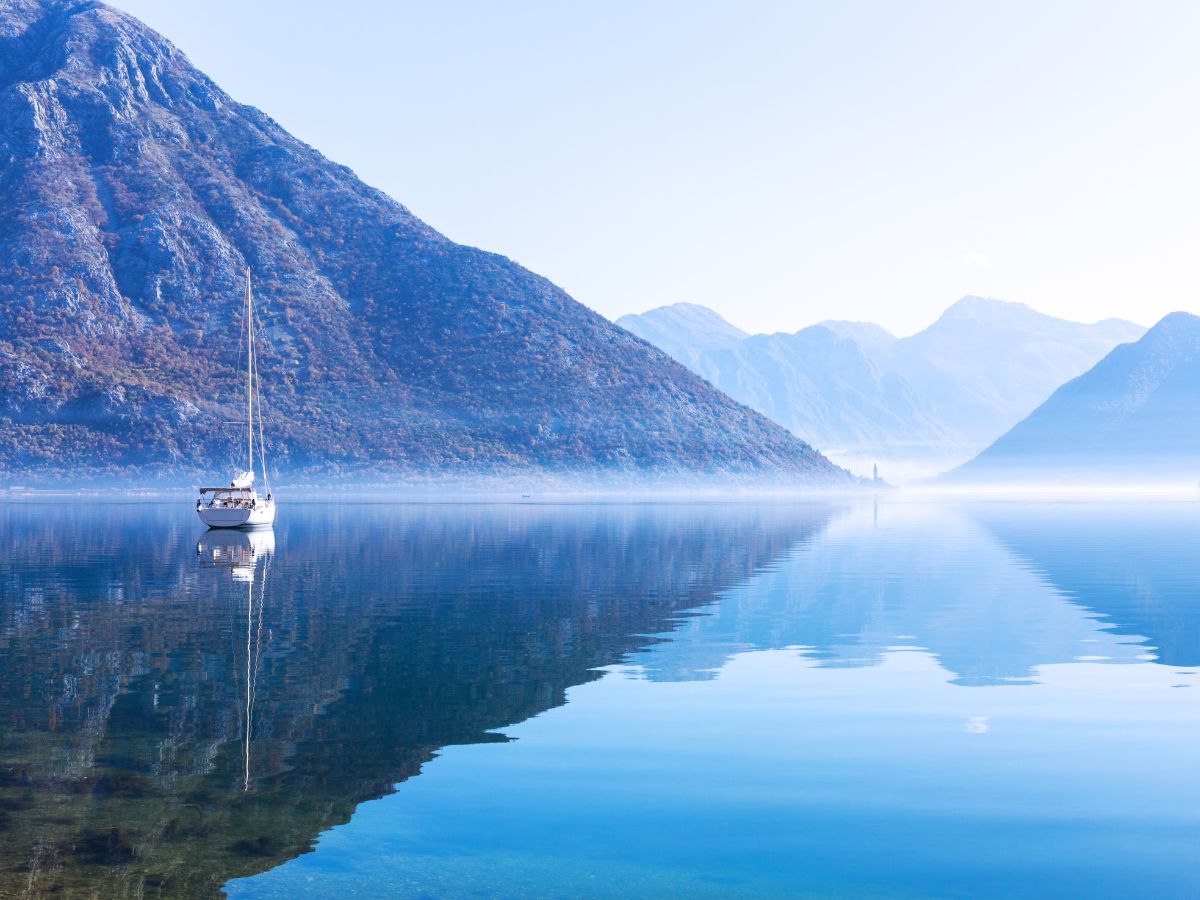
238, 505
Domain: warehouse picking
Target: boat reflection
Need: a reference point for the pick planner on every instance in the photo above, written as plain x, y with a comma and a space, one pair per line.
238, 551
244, 553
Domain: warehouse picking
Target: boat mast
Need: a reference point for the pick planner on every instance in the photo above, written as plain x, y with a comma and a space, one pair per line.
249, 371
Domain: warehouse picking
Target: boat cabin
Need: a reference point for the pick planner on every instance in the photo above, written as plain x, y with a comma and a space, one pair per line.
230, 497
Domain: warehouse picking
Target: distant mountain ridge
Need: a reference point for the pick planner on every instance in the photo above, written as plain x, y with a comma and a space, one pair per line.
1133, 418
923, 403
1005, 358
133, 194
686, 331
867, 335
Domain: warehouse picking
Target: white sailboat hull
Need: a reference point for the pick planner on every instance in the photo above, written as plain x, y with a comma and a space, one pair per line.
260, 516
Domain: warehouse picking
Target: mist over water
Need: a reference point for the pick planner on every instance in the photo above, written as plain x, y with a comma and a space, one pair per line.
747, 698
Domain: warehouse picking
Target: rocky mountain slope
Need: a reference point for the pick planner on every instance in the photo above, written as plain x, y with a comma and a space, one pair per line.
916, 405
1134, 418
133, 194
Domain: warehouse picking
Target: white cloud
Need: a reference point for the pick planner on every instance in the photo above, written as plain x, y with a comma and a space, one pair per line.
975, 258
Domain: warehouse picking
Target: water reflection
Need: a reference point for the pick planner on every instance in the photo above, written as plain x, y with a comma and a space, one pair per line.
1135, 566
927, 577
238, 551
178, 710
241, 553
177, 713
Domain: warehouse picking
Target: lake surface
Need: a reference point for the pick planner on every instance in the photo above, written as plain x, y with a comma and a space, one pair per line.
894, 699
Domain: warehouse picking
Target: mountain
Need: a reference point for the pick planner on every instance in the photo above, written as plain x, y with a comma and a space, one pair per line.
826, 385
819, 381
1002, 359
868, 335
916, 405
1133, 417
134, 192
685, 331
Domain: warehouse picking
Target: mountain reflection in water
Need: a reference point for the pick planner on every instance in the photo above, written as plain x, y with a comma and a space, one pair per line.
182, 709
134, 663
932, 578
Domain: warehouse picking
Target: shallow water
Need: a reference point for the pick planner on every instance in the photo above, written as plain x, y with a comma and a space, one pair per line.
893, 699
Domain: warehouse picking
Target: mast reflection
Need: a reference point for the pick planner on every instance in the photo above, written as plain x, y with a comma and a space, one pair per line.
247, 557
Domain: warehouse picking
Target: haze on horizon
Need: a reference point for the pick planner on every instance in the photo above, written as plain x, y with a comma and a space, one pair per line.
780, 163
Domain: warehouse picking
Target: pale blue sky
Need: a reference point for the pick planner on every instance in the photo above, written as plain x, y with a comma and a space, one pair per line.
779, 162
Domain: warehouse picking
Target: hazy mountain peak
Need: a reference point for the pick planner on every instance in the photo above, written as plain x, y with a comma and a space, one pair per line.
1176, 323
699, 309
690, 314
1174, 339
1009, 356
1008, 312
1134, 415
867, 335
684, 330
988, 309
1117, 322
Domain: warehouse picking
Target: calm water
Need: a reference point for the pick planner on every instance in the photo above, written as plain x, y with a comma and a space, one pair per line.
902, 700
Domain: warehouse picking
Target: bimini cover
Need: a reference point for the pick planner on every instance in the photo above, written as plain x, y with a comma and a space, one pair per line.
245, 480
